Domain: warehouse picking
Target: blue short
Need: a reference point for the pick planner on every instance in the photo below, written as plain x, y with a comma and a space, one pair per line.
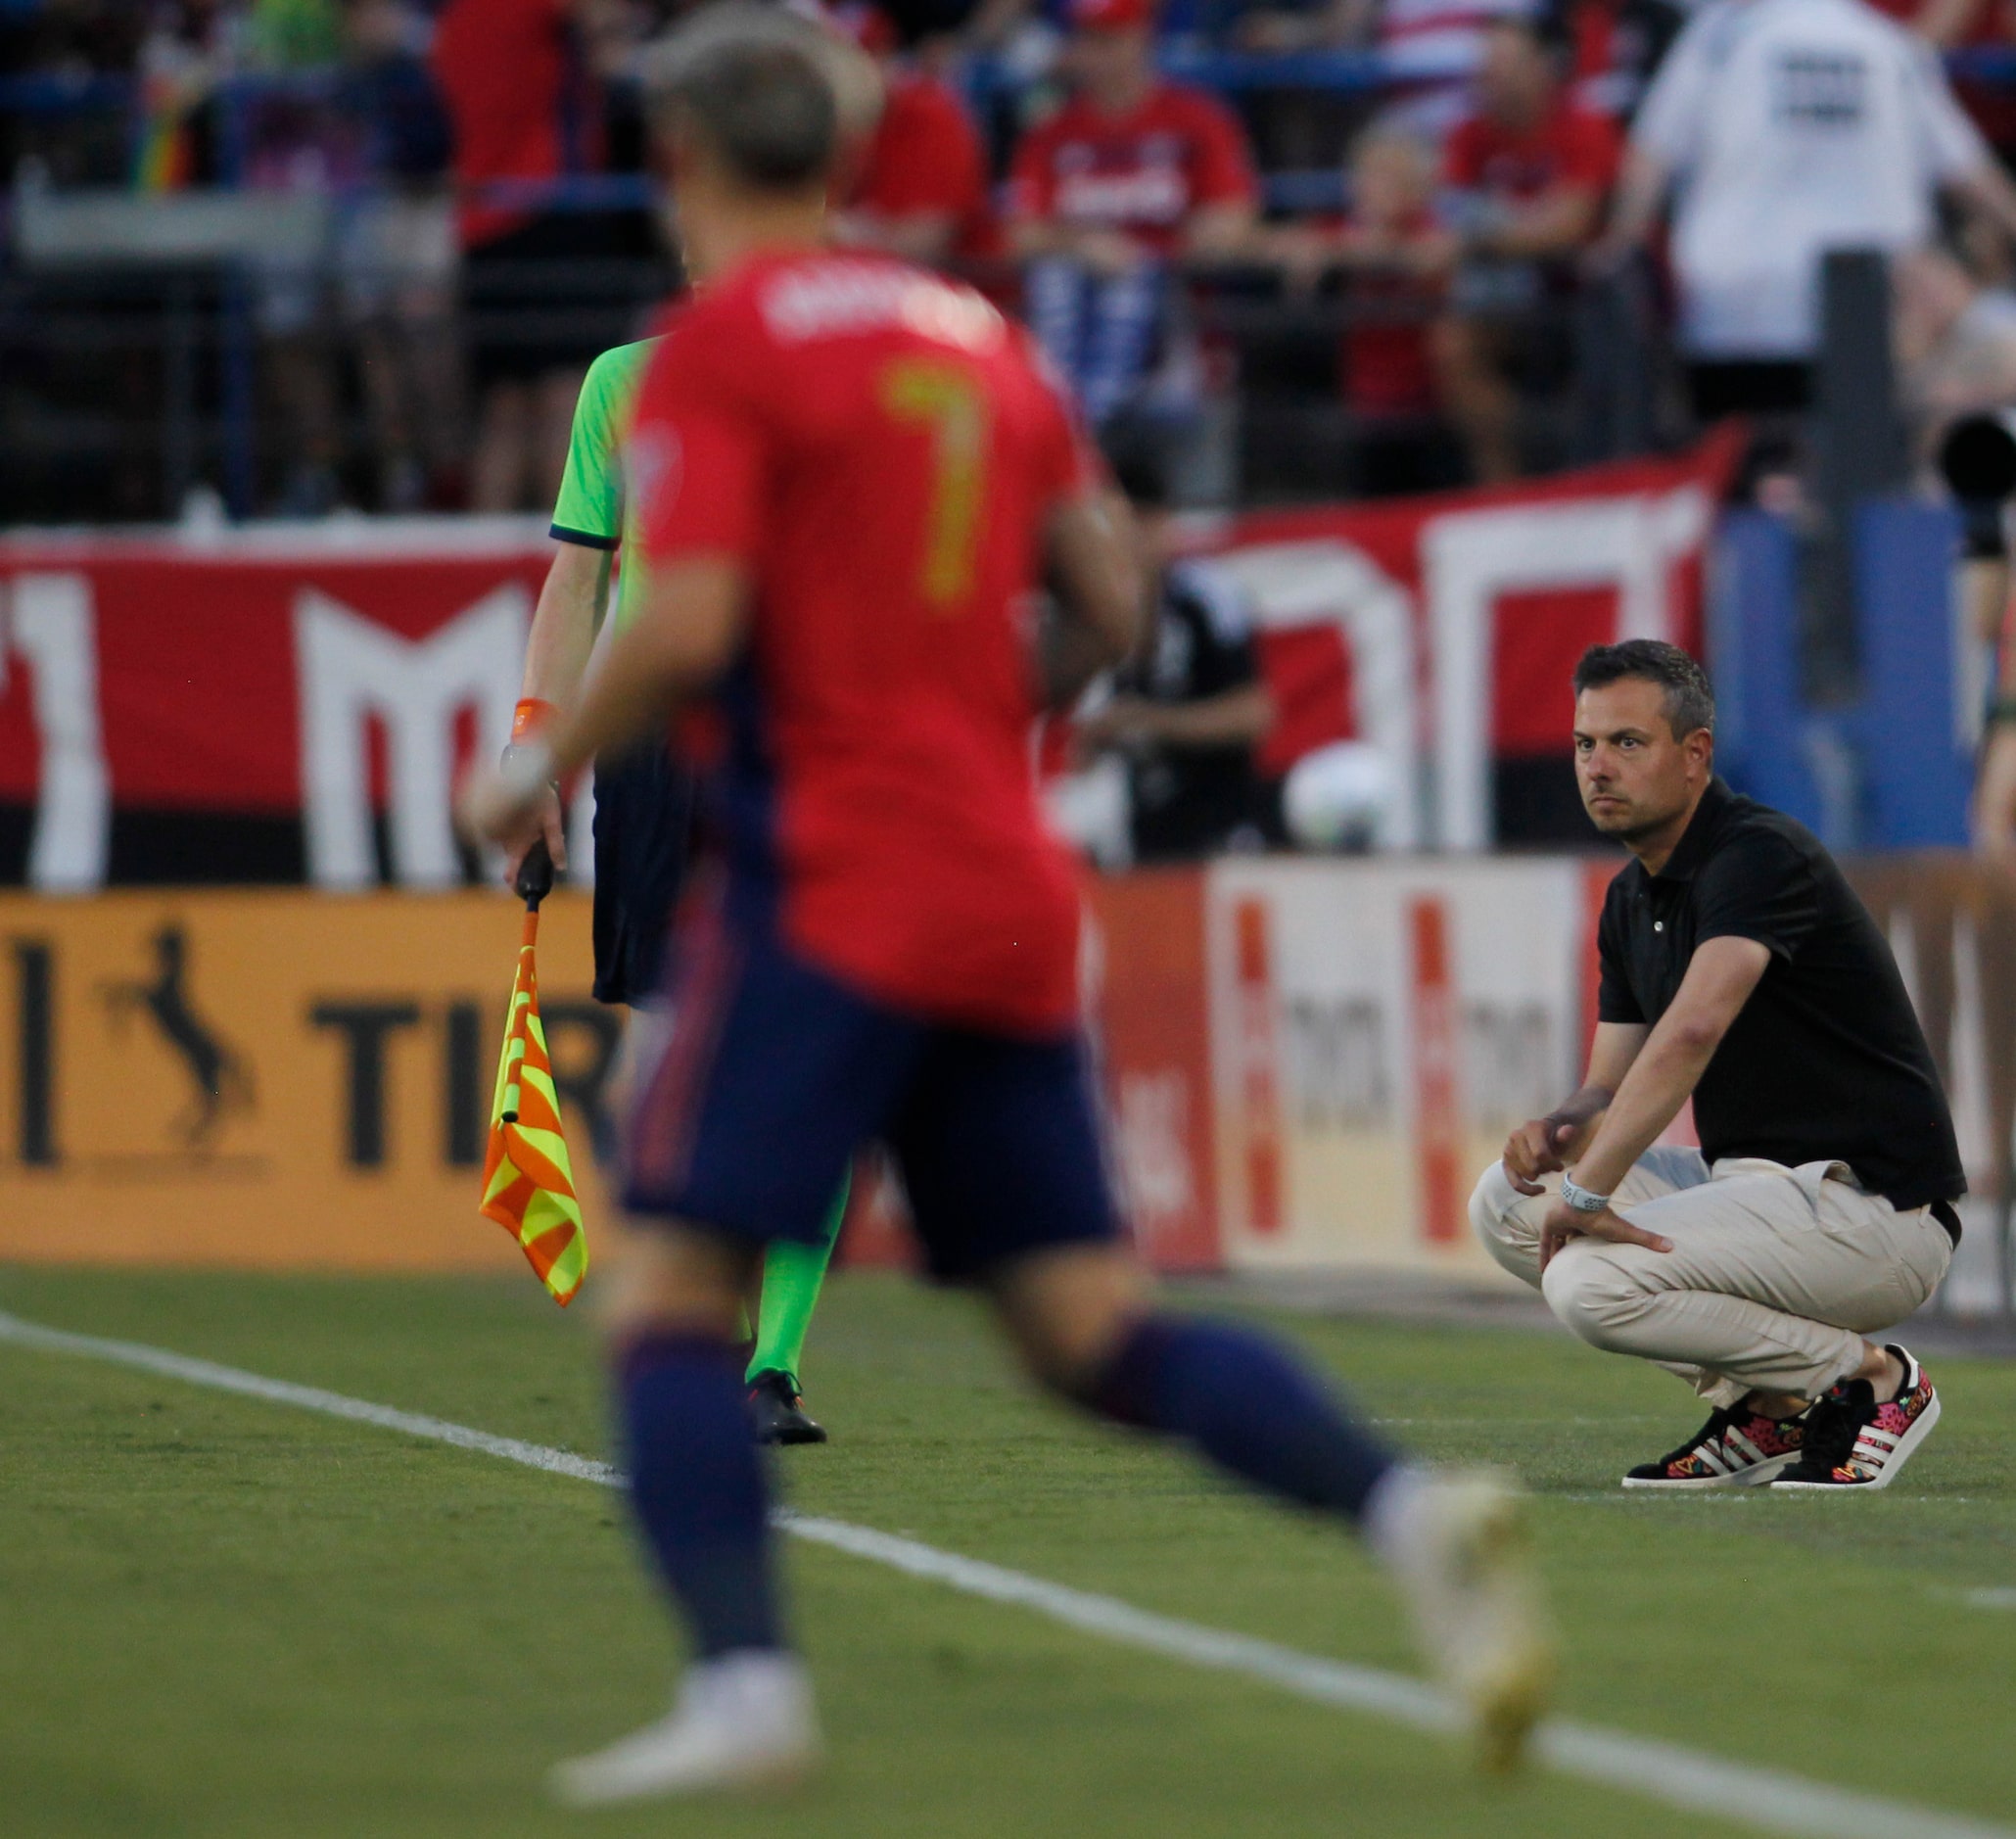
770, 1075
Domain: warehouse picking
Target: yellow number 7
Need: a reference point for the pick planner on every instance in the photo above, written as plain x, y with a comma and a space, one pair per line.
947, 398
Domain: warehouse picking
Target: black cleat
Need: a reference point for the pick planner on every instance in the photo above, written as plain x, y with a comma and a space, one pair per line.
780, 1413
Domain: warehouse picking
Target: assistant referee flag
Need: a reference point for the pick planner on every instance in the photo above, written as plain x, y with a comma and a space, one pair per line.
528, 1184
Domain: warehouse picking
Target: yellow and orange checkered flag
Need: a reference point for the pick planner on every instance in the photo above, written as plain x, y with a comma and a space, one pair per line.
528, 1184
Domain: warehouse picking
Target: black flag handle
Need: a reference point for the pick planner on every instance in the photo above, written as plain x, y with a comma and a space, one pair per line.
535, 880
1978, 457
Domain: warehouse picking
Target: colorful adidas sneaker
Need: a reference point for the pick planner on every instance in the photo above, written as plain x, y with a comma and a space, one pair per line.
1852, 1441
1734, 1449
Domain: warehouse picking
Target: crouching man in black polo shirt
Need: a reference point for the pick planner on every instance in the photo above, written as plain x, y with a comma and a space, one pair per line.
1740, 969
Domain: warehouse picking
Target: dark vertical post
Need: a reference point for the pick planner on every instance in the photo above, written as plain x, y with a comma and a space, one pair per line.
1617, 367
35, 971
1860, 452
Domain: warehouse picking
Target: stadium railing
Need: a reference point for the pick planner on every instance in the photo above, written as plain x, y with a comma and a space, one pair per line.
133, 363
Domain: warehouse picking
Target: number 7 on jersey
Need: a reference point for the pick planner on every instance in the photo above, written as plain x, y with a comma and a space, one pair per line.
948, 399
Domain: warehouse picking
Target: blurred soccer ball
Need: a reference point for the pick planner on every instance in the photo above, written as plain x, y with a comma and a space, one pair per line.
1337, 797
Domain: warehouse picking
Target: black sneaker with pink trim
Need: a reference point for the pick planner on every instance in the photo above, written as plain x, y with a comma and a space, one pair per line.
1734, 1449
1852, 1441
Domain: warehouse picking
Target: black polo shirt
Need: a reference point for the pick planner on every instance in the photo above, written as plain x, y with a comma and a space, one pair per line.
1826, 1061
1189, 801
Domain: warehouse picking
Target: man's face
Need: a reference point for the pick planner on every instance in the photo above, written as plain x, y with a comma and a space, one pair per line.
1391, 181
1107, 59
1515, 80
1634, 775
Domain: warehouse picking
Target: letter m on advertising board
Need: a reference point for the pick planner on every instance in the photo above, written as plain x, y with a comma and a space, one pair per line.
351, 671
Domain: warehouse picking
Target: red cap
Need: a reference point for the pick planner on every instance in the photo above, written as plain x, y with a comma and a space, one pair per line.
1111, 15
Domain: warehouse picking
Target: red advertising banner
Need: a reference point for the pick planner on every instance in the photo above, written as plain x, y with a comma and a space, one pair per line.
1154, 1039
329, 681
1443, 629
1438, 1105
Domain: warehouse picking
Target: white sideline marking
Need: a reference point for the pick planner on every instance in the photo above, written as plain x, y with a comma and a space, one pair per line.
1996, 1597
1768, 1800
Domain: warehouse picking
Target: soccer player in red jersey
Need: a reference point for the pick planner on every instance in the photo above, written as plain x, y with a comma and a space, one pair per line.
850, 478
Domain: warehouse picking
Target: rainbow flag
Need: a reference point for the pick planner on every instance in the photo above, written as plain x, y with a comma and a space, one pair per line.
163, 160
528, 1184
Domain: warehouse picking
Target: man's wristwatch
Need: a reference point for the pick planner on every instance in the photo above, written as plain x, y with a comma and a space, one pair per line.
526, 767
1580, 1199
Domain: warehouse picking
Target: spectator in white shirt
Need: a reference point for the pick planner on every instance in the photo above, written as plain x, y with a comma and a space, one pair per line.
1789, 127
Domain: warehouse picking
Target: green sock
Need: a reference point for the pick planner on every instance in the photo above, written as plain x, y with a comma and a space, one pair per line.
791, 1276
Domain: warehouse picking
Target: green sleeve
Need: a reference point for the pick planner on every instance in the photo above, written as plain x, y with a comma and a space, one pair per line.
590, 508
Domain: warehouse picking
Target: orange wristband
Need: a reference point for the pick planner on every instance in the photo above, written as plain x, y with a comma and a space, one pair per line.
530, 715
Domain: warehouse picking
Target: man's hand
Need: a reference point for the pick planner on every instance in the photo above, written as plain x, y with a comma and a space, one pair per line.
1304, 257
1540, 1146
506, 804
1564, 1222
1116, 722
524, 760
1106, 251
553, 827
1431, 256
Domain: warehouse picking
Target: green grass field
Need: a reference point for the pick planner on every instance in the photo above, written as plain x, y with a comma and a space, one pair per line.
220, 1617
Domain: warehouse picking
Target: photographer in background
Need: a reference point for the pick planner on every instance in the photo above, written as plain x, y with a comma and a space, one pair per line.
1189, 707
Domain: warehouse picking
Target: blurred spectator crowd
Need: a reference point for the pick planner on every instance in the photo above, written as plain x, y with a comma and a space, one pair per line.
1283, 247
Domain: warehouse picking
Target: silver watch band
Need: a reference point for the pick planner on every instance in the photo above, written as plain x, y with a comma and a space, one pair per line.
1580, 1197
527, 768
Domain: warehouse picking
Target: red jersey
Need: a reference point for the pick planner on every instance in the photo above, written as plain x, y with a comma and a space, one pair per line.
515, 96
1570, 147
876, 447
1384, 366
1144, 171
926, 157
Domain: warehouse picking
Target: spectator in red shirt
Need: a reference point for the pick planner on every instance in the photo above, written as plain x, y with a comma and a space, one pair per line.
1130, 175
1615, 47
920, 189
1531, 171
1392, 253
1395, 254
519, 81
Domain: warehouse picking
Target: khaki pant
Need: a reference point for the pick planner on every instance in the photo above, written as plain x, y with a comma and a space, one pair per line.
1775, 1274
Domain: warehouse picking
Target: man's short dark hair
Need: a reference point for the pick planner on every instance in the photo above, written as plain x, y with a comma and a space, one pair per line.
1689, 701
755, 83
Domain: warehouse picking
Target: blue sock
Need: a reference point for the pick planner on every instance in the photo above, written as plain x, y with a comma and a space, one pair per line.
699, 1488
1245, 1405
